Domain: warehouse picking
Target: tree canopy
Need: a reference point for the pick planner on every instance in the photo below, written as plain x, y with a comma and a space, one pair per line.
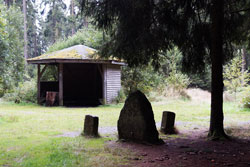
141, 30
11, 38
204, 31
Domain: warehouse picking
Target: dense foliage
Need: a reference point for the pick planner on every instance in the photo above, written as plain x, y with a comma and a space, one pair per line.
11, 46
141, 30
245, 99
25, 92
234, 77
86, 36
143, 78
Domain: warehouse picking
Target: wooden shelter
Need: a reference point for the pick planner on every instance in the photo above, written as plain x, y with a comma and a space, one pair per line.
83, 78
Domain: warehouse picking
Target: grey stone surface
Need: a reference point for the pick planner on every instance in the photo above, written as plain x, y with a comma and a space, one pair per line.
136, 121
167, 123
91, 126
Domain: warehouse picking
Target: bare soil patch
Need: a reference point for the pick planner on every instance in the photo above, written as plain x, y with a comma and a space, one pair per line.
190, 149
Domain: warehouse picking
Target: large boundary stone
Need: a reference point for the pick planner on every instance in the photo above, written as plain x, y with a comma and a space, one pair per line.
136, 121
167, 123
91, 126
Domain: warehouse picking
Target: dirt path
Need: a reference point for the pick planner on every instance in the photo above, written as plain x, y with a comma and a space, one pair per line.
189, 149
192, 149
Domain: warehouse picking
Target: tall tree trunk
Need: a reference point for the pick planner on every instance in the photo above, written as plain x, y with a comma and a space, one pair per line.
54, 28
85, 22
25, 31
35, 42
243, 65
244, 60
8, 3
216, 130
56, 32
73, 17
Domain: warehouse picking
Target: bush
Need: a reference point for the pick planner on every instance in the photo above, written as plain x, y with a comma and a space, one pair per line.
246, 97
234, 78
120, 98
201, 80
89, 37
25, 92
177, 81
143, 78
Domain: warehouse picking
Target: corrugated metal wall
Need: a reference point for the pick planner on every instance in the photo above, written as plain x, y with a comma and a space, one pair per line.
113, 82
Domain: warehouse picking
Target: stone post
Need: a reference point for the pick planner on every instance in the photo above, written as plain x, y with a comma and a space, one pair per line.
167, 123
91, 126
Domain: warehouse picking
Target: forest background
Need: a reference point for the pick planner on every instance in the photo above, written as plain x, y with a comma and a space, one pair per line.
31, 28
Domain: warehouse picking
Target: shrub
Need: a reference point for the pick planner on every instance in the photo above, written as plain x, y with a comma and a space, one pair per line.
25, 92
120, 98
246, 97
234, 78
177, 81
201, 80
144, 78
89, 37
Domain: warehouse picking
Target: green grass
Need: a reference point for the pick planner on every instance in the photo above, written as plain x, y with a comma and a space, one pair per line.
29, 133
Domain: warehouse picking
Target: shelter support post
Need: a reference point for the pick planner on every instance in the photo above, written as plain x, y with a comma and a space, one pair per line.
60, 78
104, 83
38, 84
39, 76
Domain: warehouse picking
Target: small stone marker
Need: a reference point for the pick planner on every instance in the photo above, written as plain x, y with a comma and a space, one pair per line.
91, 126
167, 122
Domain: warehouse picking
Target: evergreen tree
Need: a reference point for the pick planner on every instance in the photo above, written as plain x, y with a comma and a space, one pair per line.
34, 33
203, 30
55, 20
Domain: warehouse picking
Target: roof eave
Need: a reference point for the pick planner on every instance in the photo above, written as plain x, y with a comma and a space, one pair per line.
118, 63
53, 61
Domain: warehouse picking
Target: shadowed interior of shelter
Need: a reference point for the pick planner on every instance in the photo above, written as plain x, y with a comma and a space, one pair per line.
82, 85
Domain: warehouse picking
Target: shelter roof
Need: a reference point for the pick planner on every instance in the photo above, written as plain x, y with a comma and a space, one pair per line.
74, 54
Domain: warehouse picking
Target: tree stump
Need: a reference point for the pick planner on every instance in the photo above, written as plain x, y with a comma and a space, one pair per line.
51, 98
91, 126
167, 123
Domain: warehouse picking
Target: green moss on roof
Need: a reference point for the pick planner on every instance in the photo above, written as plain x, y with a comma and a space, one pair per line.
62, 55
75, 52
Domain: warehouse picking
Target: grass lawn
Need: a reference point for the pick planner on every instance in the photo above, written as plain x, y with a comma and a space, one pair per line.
30, 134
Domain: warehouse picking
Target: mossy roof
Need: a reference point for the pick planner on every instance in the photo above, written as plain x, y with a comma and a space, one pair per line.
77, 53
74, 52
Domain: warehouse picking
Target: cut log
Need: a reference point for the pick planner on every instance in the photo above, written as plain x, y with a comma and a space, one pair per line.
51, 98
